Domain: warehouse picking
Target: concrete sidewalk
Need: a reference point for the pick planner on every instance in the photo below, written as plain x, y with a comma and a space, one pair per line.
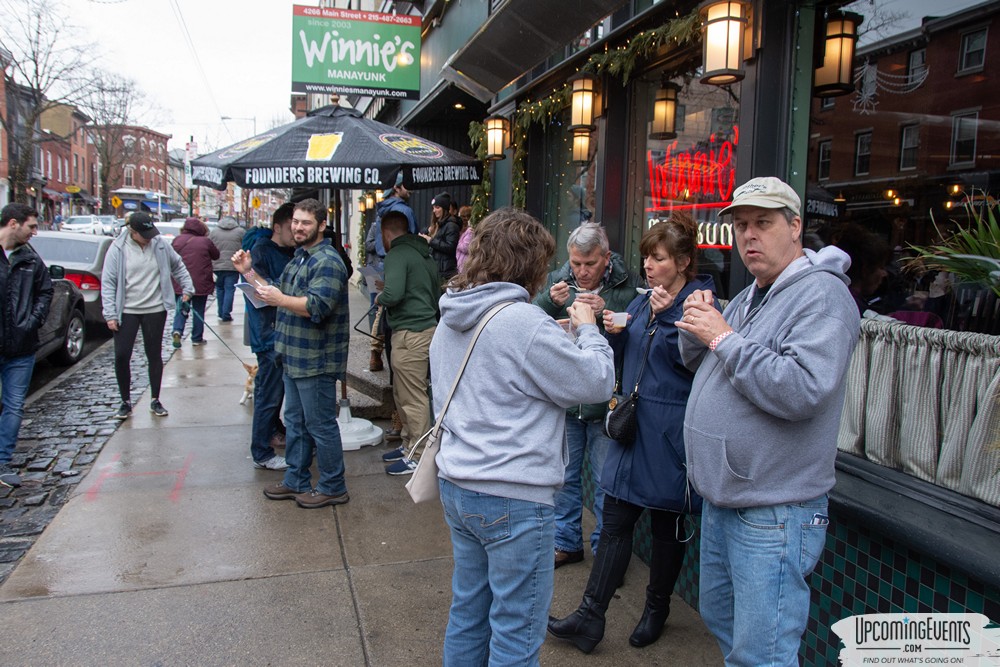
169, 554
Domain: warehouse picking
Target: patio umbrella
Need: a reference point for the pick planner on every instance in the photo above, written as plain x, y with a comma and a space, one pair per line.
335, 147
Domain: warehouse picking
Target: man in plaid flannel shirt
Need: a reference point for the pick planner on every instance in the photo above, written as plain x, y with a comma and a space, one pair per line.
311, 337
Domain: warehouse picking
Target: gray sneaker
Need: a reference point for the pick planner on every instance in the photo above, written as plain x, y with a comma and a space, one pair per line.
273, 463
157, 408
9, 478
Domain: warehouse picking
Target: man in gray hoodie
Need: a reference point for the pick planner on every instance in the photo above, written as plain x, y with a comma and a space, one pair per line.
761, 425
228, 238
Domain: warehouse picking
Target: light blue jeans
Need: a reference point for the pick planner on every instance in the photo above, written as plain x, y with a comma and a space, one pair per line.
502, 581
580, 436
754, 596
15, 378
310, 410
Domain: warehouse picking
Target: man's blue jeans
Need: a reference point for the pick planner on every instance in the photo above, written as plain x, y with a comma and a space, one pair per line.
268, 393
502, 581
198, 325
15, 377
310, 411
225, 288
754, 596
580, 436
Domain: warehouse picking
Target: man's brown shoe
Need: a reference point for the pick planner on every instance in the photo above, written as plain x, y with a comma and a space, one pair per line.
375, 365
315, 499
279, 491
567, 557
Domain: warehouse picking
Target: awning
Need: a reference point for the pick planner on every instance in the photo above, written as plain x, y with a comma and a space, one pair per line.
537, 27
55, 195
155, 206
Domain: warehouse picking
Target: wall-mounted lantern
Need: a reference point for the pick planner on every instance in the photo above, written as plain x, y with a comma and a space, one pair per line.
890, 194
497, 129
836, 75
370, 199
361, 204
664, 124
725, 28
581, 146
378, 195
583, 102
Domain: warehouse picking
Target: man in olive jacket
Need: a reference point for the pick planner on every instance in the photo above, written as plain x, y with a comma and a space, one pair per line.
25, 295
596, 276
410, 295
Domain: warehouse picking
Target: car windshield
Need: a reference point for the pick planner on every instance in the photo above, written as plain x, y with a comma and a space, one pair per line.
79, 220
54, 250
106, 218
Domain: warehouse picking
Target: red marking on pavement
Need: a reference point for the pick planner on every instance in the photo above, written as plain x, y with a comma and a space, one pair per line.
106, 474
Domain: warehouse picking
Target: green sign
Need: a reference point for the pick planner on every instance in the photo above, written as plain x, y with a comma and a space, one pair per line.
355, 53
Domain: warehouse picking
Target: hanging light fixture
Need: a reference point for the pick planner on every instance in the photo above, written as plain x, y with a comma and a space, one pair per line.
378, 195
890, 194
840, 199
664, 124
584, 101
836, 75
725, 26
497, 128
581, 146
370, 199
361, 204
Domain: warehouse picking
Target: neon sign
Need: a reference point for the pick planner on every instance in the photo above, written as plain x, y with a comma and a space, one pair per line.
707, 172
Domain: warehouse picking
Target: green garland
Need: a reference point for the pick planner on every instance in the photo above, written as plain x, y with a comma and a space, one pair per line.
480, 193
620, 63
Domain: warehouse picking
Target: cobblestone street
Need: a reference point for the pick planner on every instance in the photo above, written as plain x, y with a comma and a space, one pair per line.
66, 424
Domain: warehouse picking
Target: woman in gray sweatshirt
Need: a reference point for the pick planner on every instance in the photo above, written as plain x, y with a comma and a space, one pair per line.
503, 448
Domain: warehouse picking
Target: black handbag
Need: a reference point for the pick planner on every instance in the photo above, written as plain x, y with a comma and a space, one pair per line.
621, 421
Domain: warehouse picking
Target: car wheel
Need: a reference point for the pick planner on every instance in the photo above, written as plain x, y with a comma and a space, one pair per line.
72, 347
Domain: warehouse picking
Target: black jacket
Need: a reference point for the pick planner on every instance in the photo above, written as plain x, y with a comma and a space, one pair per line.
444, 244
26, 291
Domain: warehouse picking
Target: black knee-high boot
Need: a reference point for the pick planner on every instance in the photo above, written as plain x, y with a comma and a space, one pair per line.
665, 566
584, 628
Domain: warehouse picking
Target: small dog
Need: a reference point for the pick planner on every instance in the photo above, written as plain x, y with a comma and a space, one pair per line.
248, 387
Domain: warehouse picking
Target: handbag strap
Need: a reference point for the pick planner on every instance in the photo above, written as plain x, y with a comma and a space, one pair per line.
645, 355
468, 353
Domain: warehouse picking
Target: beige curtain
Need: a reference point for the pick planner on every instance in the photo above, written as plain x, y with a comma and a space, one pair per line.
927, 402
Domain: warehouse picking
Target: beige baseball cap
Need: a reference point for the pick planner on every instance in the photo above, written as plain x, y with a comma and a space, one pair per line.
765, 192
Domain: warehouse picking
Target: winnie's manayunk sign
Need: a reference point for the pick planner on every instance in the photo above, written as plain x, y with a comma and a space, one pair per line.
354, 52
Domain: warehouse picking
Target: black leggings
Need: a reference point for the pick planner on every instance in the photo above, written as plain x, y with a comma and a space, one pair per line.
152, 325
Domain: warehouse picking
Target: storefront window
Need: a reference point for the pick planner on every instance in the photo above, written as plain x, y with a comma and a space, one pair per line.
897, 158
693, 172
569, 186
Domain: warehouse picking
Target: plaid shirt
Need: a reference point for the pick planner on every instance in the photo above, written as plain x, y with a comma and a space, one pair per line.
314, 345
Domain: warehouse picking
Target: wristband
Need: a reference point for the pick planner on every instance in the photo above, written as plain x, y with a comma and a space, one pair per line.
718, 339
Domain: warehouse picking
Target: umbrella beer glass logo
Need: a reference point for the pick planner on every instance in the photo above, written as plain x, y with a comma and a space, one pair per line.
409, 145
323, 146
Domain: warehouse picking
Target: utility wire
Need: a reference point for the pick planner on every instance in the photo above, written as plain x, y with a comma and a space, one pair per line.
194, 53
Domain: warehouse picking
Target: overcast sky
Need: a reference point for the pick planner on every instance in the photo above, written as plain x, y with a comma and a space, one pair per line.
244, 47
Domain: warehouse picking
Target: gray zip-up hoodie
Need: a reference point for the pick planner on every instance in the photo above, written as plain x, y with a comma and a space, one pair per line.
762, 419
505, 431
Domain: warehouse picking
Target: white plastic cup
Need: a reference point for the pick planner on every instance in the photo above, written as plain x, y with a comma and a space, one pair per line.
619, 320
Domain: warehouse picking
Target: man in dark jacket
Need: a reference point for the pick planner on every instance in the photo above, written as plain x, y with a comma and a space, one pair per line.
596, 276
269, 255
26, 293
198, 253
228, 238
394, 199
444, 243
410, 296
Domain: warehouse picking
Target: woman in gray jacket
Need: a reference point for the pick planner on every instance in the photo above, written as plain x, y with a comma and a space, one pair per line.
136, 292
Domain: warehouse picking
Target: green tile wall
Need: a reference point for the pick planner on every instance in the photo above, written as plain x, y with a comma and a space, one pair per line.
859, 573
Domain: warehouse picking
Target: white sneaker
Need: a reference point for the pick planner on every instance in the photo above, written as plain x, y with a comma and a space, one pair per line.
273, 463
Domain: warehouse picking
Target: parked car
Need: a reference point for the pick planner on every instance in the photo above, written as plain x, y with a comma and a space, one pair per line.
170, 229
86, 224
82, 258
61, 337
108, 222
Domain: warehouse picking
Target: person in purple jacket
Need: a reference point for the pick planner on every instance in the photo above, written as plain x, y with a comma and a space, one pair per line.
198, 253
